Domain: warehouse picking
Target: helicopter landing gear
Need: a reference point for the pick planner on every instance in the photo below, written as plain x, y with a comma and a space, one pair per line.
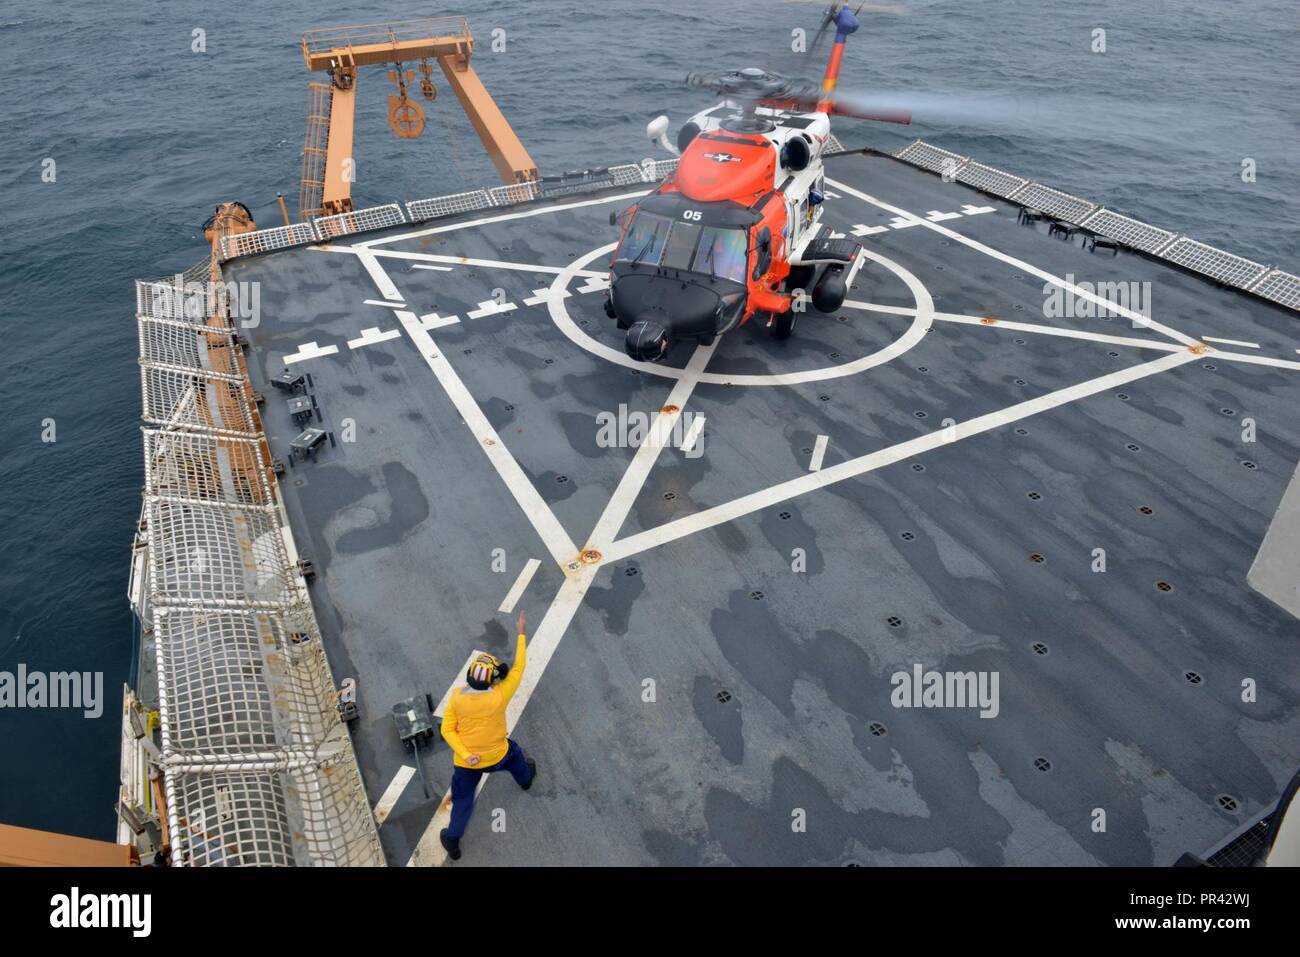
783, 324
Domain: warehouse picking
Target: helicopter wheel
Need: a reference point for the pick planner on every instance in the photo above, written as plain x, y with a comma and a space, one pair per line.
783, 324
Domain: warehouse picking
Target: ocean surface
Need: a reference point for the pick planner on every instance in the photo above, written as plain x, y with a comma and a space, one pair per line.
147, 135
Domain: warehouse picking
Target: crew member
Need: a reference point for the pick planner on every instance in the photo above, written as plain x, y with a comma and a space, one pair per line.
474, 724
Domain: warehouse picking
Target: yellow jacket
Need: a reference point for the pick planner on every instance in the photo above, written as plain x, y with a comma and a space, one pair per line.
475, 721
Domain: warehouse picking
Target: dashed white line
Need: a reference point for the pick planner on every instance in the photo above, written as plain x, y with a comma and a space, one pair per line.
433, 266
517, 589
381, 302
372, 336
693, 433
818, 453
394, 791
309, 350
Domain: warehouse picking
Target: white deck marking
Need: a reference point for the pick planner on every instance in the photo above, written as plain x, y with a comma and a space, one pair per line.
862, 229
935, 216
969, 210
378, 275
1031, 327
544, 295
818, 453
620, 503
394, 791
852, 468
309, 350
490, 307
503, 217
1232, 342
904, 222
543, 520
693, 433
380, 302
370, 337
431, 320
1252, 360
432, 266
455, 260
916, 331
1136, 317
517, 589
594, 284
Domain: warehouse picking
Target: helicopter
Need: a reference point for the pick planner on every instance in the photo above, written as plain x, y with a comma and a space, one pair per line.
735, 235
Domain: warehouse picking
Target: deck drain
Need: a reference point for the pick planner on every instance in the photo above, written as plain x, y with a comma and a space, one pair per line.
1018, 307
1192, 677
1209, 365
906, 536
756, 595
824, 398
1038, 648
1022, 431
510, 408
1133, 447
1164, 586
832, 355
561, 479
919, 414
723, 696
1248, 464
1020, 342
1146, 510
1227, 803
1113, 355
1021, 382
918, 467
807, 451
784, 516
1037, 558
894, 621
1122, 396
631, 571
669, 496
1042, 764
550, 362
922, 368
1034, 496
1228, 411
877, 729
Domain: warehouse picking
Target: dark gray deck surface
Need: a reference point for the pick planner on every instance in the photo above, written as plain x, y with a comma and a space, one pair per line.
402, 524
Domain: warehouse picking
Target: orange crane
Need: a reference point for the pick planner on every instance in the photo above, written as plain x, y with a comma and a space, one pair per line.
328, 167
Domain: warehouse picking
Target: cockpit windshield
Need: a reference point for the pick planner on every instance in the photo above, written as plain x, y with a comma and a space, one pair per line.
658, 241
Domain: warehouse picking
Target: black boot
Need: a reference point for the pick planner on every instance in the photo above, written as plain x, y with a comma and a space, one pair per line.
532, 766
451, 847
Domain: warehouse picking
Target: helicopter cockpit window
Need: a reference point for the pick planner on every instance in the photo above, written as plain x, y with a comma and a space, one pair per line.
721, 253
658, 241
644, 242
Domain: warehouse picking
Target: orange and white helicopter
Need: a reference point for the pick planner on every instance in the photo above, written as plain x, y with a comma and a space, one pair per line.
736, 234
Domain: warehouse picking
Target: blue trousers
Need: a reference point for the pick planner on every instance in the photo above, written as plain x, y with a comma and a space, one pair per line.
464, 783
